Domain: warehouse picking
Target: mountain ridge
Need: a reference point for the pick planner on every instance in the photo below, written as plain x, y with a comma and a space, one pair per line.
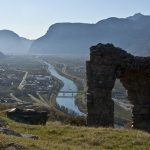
12, 43
130, 33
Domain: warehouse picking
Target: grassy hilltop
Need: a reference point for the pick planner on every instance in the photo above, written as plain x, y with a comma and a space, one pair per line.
56, 136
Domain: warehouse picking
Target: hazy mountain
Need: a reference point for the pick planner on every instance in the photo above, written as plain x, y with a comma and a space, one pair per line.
2, 55
132, 34
10, 42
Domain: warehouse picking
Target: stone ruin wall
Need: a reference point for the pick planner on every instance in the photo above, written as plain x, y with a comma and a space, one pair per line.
106, 64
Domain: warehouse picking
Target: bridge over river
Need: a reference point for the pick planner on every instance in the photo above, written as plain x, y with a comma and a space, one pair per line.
69, 93
66, 96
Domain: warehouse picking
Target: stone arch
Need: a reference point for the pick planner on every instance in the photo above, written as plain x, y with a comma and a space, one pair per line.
106, 64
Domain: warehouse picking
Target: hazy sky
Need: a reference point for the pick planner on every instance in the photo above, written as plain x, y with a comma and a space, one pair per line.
32, 18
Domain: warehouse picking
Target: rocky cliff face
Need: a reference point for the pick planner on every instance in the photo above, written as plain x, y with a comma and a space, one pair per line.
106, 64
130, 33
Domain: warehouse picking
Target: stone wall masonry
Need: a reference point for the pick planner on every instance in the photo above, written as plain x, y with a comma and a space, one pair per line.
105, 65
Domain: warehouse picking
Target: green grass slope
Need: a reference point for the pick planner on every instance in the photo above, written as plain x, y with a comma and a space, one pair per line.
56, 136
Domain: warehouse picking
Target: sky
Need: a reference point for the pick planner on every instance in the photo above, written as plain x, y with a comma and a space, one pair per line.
32, 18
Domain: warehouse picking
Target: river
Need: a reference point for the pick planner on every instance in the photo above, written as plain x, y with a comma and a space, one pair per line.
69, 85
66, 100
